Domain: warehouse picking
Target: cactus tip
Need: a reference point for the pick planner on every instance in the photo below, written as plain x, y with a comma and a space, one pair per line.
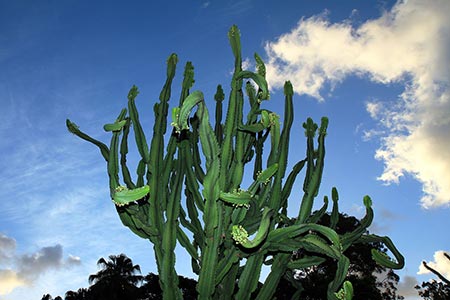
367, 201
334, 194
72, 127
323, 125
132, 94
288, 89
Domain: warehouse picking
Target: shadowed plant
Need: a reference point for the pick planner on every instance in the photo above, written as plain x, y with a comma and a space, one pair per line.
179, 192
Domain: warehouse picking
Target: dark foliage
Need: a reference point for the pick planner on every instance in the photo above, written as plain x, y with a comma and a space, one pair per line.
119, 279
151, 289
433, 290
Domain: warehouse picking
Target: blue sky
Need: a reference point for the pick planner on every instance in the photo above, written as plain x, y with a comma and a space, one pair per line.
377, 69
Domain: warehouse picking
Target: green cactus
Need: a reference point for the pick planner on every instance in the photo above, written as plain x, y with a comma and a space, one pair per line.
236, 230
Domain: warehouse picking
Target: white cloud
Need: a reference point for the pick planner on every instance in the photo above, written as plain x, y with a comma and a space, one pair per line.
410, 44
440, 264
374, 108
246, 64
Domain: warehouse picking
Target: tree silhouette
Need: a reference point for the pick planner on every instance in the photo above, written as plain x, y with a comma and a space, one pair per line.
81, 294
49, 297
117, 278
433, 290
370, 280
152, 290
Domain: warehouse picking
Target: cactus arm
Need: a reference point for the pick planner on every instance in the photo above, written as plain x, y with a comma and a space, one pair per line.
351, 237
139, 134
231, 257
237, 198
123, 156
127, 220
113, 161
249, 277
276, 273
287, 125
186, 243
116, 126
310, 131
314, 218
341, 272
123, 196
73, 128
218, 130
335, 211
381, 258
306, 262
242, 138
157, 200
315, 175
240, 235
263, 177
286, 191
281, 146
237, 167
169, 238
194, 139
274, 129
212, 212
279, 235
231, 120
140, 171
260, 66
263, 93
191, 184
234, 37
346, 292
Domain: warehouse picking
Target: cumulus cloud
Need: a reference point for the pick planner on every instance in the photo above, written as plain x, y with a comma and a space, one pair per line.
19, 270
440, 264
410, 45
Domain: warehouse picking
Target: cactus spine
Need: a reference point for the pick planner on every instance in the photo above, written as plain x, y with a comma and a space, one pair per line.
208, 163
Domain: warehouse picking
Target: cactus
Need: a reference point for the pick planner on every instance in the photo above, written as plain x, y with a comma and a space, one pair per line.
207, 163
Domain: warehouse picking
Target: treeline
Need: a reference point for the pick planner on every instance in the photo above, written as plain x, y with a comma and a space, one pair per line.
119, 278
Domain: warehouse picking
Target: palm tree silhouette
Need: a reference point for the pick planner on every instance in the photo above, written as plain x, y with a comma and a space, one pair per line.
117, 279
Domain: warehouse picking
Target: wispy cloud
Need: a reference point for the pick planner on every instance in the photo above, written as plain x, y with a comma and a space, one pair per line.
19, 270
409, 45
387, 217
